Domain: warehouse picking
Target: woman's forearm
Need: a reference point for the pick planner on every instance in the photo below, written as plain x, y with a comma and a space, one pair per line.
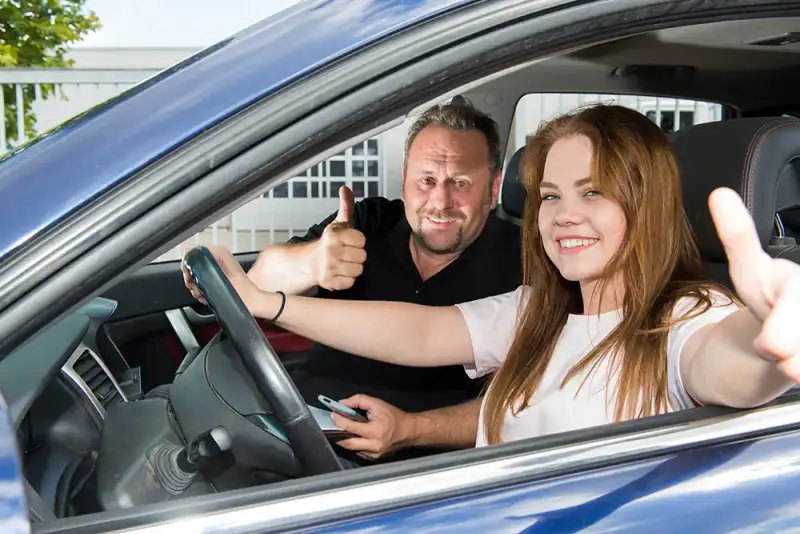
725, 369
393, 332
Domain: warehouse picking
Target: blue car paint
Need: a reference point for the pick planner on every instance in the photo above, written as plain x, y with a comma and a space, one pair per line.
747, 486
111, 141
13, 509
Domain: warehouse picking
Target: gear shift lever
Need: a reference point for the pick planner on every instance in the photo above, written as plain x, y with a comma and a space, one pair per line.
175, 467
202, 450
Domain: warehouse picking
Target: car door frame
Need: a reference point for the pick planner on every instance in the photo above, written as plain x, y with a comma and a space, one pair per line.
492, 36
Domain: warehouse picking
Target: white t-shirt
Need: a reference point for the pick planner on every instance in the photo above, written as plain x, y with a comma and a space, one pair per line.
492, 323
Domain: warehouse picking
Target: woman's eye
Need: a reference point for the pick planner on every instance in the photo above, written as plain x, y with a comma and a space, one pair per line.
549, 196
592, 193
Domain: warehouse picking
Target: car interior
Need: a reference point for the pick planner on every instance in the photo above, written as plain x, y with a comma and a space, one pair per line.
90, 410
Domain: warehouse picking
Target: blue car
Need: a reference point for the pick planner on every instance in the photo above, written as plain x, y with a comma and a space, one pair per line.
88, 206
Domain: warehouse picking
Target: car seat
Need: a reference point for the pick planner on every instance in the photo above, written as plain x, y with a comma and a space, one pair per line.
757, 158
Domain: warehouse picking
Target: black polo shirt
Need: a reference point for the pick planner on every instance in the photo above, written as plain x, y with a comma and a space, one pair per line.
489, 266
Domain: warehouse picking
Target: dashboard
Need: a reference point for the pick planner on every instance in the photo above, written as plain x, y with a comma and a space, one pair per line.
91, 441
59, 389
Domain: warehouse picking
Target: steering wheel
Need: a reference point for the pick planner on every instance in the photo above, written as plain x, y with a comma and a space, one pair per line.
310, 446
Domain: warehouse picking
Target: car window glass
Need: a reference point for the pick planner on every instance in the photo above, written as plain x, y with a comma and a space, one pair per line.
532, 109
290, 208
373, 168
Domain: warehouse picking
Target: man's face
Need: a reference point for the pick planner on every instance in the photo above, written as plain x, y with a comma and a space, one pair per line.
447, 188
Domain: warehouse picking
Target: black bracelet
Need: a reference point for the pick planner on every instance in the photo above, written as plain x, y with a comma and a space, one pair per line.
283, 304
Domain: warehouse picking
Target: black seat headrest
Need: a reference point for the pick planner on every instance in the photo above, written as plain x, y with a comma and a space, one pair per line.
756, 157
512, 194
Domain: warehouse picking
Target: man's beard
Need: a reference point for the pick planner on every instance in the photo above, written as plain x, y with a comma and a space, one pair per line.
455, 243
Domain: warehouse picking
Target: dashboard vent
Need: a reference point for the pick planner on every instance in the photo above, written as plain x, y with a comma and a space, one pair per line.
93, 374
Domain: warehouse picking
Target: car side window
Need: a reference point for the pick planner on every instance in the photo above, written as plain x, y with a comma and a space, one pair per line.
534, 108
290, 208
372, 168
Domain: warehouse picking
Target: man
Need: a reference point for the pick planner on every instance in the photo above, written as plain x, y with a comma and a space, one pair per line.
439, 245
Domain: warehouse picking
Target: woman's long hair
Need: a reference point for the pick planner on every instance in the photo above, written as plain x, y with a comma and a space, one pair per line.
657, 263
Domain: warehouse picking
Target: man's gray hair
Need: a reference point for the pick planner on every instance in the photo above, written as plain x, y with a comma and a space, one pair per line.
460, 115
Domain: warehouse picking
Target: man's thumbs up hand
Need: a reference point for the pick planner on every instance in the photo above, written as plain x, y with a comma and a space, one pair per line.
339, 253
347, 206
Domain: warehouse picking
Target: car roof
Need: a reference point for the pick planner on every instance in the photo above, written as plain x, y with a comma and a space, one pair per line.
68, 166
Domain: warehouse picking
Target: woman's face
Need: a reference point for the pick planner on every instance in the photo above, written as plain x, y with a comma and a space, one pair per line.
581, 229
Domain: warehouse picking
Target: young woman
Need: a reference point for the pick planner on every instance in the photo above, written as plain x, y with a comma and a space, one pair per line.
614, 320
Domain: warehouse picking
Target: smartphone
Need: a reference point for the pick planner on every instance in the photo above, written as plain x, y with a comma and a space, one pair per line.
353, 414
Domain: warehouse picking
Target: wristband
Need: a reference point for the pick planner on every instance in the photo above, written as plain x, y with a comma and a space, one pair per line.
283, 304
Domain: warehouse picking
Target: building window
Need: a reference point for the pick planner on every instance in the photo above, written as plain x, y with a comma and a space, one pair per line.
337, 168
358, 167
299, 189
372, 168
372, 189
668, 119
281, 191
372, 147
334, 188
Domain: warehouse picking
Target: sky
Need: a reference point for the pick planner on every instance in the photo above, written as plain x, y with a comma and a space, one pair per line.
190, 23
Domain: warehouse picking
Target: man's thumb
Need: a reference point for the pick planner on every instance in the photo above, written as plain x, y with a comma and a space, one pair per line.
346, 205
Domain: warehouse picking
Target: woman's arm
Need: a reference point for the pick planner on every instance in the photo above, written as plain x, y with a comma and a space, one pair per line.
753, 355
720, 365
393, 332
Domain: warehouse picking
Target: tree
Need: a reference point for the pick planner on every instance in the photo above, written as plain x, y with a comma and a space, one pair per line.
36, 33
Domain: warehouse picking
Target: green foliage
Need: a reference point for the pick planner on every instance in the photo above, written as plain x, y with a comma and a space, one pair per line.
37, 33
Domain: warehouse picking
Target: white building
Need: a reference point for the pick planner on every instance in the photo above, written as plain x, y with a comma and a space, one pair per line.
371, 168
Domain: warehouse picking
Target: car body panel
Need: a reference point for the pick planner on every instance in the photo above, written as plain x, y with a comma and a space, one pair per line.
13, 509
190, 97
748, 486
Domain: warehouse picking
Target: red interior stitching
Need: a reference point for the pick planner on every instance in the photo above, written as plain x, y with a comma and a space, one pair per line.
748, 181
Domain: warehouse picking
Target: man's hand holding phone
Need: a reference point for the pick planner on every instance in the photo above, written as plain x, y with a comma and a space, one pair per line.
353, 414
385, 430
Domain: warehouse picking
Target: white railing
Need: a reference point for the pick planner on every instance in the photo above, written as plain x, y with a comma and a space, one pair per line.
75, 91
285, 211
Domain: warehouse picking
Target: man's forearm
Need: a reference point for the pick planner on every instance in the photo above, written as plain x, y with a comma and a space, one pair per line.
452, 427
286, 268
